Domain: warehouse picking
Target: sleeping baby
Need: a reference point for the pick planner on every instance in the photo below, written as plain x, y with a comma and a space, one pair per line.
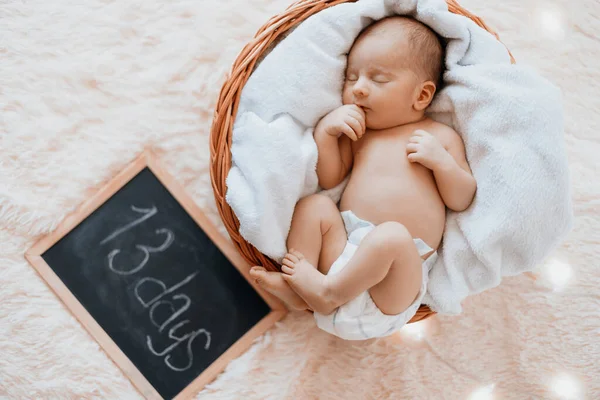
363, 271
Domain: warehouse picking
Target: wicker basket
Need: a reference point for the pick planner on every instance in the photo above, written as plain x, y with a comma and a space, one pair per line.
227, 104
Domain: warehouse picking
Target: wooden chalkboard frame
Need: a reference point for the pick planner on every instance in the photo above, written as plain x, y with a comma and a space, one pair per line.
149, 159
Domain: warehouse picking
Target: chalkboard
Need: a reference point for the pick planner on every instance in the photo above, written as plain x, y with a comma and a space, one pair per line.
157, 284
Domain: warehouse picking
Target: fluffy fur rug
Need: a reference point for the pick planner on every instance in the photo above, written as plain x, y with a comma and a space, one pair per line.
85, 86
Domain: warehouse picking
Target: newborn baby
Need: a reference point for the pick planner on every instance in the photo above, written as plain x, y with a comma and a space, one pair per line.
364, 272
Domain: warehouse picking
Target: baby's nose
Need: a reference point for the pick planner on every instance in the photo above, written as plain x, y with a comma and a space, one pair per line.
360, 91
360, 88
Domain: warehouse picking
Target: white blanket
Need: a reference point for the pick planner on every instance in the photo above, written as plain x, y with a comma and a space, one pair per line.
510, 120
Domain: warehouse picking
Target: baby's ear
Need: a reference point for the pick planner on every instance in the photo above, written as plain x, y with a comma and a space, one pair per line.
425, 95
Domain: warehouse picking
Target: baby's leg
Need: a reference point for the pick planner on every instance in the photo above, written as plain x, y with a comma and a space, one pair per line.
273, 283
387, 264
318, 232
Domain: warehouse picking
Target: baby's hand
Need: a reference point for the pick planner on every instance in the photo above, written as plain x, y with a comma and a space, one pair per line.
346, 120
425, 149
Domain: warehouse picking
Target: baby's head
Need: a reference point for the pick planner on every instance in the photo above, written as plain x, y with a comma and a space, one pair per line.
393, 70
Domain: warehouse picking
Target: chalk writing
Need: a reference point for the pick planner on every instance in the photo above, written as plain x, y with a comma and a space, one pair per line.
146, 249
151, 291
174, 314
189, 336
165, 291
189, 351
149, 213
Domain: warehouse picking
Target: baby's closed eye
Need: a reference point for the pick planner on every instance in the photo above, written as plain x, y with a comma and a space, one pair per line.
376, 78
381, 79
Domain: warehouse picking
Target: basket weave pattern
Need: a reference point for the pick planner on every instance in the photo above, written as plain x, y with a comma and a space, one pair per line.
227, 105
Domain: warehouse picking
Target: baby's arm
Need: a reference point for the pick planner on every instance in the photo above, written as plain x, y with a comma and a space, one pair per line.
335, 159
333, 135
454, 178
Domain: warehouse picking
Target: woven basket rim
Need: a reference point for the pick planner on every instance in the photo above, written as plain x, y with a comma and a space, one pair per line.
227, 105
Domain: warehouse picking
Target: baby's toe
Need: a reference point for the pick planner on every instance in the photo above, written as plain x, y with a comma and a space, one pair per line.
258, 273
298, 255
287, 270
288, 262
257, 270
291, 257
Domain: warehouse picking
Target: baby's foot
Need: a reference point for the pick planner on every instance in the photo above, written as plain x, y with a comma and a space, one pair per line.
273, 283
308, 282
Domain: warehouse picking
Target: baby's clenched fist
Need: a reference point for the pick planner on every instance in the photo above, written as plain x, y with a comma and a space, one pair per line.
346, 120
426, 149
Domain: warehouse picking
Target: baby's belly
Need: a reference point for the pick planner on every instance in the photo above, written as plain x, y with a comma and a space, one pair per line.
409, 197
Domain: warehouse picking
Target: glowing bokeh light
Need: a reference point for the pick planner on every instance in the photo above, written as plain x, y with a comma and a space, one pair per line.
415, 330
558, 273
483, 393
551, 22
566, 387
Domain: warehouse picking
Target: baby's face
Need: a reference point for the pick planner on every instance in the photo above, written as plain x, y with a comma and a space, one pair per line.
378, 80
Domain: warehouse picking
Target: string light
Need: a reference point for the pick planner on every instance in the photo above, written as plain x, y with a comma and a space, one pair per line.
483, 393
